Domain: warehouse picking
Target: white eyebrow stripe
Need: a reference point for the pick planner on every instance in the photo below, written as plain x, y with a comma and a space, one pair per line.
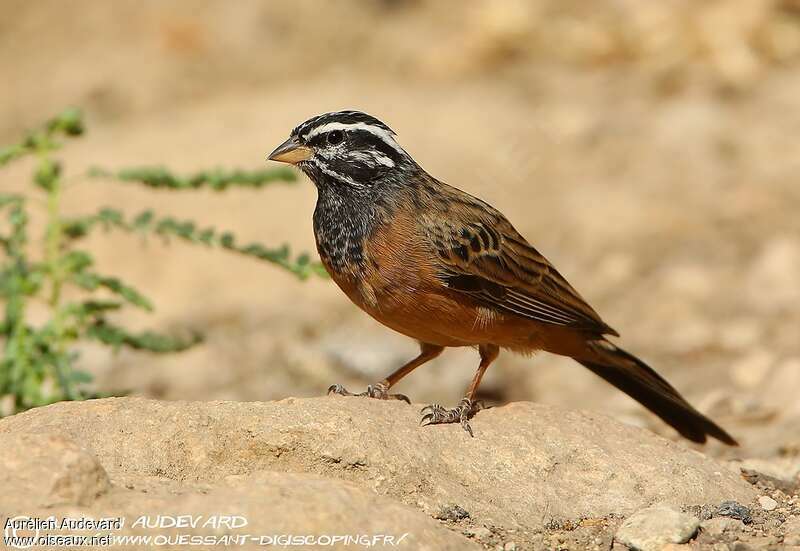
382, 133
371, 156
383, 159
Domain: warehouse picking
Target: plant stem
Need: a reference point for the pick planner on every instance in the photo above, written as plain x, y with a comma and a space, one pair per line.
53, 246
53, 242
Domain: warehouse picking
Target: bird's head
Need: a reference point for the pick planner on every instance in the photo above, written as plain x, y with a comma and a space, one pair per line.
345, 148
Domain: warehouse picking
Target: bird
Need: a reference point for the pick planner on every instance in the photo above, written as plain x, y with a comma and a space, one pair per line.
447, 269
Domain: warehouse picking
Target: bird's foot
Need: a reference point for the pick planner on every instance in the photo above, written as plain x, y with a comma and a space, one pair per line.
435, 414
379, 391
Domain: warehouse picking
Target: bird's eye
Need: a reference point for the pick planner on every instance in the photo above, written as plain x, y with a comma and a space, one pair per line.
335, 137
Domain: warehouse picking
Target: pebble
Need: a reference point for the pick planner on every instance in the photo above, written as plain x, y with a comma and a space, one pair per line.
767, 503
652, 528
785, 469
481, 533
734, 510
453, 513
719, 525
772, 282
740, 334
751, 369
791, 531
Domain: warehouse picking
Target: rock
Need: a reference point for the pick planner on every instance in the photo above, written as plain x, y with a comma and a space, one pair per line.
652, 528
791, 531
785, 469
772, 282
675, 547
692, 335
751, 369
734, 510
740, 334
766, 475
767, 503
453, 513
781, 387
717, 526
691, 280
481, 533
270, 504
581, 465
47, 470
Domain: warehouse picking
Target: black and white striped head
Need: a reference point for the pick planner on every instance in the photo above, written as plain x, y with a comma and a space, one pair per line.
344, 148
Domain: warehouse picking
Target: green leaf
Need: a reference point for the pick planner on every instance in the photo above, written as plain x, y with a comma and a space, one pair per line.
47, 173
116, 336
76, 261
68, 123
189, 231
77, 377
143, 220
216, 179
10, 199
91, 282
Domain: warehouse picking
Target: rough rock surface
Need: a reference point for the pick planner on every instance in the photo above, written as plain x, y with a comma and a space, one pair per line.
42, 471
350, 465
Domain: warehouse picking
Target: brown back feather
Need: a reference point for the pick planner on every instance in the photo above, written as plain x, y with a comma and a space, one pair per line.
481, 254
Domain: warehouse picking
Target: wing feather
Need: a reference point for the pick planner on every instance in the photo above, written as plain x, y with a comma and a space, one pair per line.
482, 255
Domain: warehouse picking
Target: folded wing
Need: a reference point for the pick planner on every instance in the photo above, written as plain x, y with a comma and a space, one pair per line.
482, 255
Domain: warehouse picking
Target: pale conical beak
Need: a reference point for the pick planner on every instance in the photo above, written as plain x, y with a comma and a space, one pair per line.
291, 151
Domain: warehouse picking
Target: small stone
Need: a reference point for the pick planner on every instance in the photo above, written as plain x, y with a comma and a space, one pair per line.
751, 369
767, 503
42, 471
656, 526
692, 335
772, 281
719, 525
791, 531
453, 513
692, 280
784, 469
740, 334
480, 533
510, 546
733, 509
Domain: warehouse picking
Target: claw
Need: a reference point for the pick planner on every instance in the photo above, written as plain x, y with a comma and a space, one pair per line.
338, 389
378, 391
402, 397
435, 414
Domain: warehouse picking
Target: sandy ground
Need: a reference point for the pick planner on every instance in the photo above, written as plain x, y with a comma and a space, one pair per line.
650, 151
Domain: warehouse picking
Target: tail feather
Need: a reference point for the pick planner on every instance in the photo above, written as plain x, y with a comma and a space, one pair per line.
639, 381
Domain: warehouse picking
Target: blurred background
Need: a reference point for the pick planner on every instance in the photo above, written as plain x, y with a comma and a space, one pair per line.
649, 149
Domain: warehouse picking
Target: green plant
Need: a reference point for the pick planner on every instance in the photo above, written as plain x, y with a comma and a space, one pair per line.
39, 361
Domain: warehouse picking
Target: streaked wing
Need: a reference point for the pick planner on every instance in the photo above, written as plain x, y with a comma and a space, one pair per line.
481, 254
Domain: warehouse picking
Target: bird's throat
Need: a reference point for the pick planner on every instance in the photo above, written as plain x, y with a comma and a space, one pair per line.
341, 226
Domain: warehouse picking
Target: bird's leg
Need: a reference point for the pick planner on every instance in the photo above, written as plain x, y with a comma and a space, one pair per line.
435, 414
380, 390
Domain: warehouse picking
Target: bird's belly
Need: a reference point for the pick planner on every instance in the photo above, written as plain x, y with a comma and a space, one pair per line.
437, 315
433, 319
396, 283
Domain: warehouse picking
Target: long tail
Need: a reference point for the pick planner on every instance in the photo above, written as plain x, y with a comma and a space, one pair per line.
639, 381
